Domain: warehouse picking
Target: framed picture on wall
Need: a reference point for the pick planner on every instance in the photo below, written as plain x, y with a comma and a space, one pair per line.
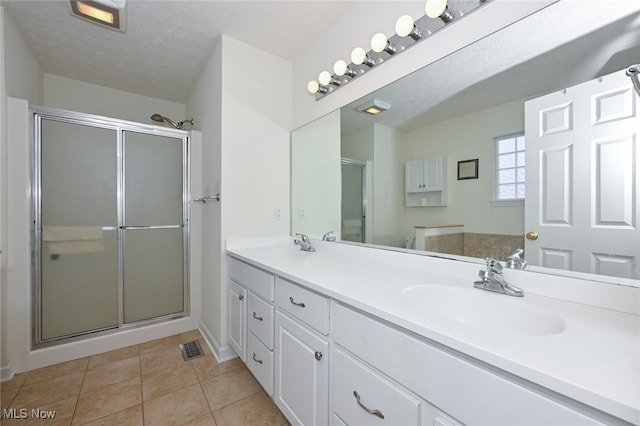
468, 169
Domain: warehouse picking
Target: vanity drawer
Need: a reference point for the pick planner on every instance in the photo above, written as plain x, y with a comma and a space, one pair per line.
256, 280
260, 362
260, 320
467, 390
303, 304
395, 406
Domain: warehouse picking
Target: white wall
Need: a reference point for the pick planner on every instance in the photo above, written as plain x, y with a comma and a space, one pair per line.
315, 206
74, 95
205, 105
469, 201
21, 77
246, 149
388, 184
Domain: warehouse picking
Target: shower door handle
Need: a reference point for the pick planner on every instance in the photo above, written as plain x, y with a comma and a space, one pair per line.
152, 227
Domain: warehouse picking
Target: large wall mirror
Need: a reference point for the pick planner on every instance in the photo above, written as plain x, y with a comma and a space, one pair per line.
459, 164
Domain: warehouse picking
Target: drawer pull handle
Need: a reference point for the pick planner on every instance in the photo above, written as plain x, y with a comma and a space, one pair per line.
318, 355
302, 305
257, 317
241, 297
364, 407
259, 361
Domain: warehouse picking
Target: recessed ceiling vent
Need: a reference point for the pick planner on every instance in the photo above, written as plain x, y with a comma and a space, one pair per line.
107, 13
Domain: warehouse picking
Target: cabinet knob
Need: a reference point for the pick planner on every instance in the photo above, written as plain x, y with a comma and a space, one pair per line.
532, 235
241, 297
365, 408
318, 355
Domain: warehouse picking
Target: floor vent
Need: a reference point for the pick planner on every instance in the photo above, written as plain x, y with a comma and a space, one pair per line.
191, 350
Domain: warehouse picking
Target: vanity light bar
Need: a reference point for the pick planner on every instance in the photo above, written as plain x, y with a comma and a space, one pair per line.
438, 14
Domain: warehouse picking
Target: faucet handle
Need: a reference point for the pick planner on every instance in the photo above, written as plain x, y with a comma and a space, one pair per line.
329, 237
303, 237
493, 265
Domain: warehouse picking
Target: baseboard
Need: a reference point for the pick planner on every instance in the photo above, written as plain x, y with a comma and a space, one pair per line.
6, 374
221, 353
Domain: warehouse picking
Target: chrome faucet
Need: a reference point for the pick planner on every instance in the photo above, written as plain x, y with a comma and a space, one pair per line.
304, 243
329, 237
514, 261
492, 280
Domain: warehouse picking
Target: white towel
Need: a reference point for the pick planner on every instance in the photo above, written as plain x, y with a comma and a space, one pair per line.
73, 239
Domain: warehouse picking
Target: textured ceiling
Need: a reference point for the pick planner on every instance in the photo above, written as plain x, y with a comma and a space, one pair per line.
167, 43
558, 47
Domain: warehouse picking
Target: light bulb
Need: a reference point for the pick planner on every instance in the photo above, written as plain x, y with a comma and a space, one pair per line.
434, 8
313, 87
340, 68
358, 55
379, 42
438, 9
404, 25
324, 78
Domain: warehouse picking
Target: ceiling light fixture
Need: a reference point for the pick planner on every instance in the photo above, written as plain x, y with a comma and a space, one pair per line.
359, 56
405, 26
380, 43
439, 13
108, 13
438, 9
374, 107
341, 68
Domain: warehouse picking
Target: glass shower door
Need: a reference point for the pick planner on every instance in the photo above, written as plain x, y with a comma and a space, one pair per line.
154, 233
78, 233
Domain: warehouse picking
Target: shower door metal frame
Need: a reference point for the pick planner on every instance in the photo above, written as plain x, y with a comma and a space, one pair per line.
344, 161
37, 114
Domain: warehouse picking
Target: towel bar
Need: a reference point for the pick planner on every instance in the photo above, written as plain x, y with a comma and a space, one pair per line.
206, 198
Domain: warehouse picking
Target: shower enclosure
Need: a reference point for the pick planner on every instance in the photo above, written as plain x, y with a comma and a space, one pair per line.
110, 215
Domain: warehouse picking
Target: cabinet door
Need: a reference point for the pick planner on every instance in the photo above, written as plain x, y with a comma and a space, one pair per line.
237, 319
414, 175
301, 373
432, 174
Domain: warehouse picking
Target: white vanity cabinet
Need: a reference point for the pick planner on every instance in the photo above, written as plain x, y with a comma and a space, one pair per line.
301, 354
251, 319
463, 389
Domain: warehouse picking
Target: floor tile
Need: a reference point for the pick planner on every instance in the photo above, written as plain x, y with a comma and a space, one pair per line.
163, 343
230, 387
163, 360
113, 356
8, 390
257, 409
107, 400
208, 368
176, 408
202, 421
57, 370
109, 374
132, 416
162, 382
33, 395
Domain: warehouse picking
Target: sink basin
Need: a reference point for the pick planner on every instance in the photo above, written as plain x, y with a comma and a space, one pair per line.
483, 309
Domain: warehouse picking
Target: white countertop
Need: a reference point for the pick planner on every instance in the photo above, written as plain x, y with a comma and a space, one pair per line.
595, 359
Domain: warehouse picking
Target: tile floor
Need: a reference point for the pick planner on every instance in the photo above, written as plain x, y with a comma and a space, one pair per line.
146, 384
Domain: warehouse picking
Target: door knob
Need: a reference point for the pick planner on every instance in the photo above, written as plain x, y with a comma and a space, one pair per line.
532, 235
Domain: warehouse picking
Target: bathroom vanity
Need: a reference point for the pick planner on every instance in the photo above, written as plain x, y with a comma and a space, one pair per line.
352, 335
